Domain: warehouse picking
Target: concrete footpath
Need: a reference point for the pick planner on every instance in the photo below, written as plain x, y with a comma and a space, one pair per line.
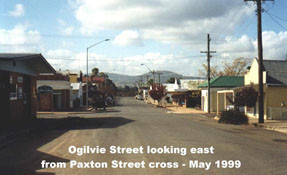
182, 110
274, 125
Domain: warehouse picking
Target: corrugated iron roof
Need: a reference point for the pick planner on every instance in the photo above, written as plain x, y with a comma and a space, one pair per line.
276, 71
224, 81
17, 55
35, 61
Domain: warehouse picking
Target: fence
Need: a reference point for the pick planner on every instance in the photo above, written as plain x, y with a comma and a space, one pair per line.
277, 113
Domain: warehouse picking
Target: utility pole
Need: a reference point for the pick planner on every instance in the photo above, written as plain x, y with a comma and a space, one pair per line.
105, 84
153, 75
159, 77
87, 82
260, 59
147, 76
151, 71
141, 81
208, 52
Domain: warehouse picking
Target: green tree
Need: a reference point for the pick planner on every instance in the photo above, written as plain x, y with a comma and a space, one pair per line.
102, 74
95, 71
150, 82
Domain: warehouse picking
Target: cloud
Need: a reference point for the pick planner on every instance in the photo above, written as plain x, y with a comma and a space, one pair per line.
18, 11
131, 65
20, 39
274, 46
59, 53
64, 28
59, 58
128, 37
182, 22
61, 22
237, 47
68, 30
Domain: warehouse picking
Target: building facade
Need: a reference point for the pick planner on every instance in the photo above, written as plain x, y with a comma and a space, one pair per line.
55, 92
18, 90
274, 86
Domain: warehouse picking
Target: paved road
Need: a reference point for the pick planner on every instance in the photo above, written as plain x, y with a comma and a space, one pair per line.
133, 124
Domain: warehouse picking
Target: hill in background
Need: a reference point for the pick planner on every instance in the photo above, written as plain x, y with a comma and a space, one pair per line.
127, 80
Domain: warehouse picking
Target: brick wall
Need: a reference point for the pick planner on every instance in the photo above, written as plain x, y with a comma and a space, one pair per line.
65, 100
24, 106
45, 102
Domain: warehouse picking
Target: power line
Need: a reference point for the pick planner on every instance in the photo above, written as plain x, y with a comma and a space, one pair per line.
55, 35
275, 20
239, 31
248, 24
167, 59
225, 28
276, 16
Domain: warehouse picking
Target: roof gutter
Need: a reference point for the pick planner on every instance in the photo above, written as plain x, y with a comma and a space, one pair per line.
276, 85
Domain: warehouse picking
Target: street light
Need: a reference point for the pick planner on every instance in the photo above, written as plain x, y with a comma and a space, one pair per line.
153, 72
87, 89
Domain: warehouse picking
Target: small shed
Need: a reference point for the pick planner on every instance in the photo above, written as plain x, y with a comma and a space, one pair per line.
218, 84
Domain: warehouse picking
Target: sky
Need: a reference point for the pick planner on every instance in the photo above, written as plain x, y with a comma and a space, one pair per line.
162, 34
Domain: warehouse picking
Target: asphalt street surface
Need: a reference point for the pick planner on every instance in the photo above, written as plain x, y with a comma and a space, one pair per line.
134, 124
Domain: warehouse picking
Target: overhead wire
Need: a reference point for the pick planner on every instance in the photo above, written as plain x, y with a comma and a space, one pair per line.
155, 59
277, 16
226, 27
275, 20
57, 35
247, 24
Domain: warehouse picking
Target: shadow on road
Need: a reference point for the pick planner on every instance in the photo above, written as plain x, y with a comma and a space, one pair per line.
280, 140
107, 111
23, 157
17, 168
70, 123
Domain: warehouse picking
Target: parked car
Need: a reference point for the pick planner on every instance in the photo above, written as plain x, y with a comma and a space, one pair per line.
232, 107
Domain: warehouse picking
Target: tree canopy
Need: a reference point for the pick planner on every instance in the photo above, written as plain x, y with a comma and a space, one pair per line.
102, 74
157, 92
246, 96
237, 68
150, 82
95, 71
